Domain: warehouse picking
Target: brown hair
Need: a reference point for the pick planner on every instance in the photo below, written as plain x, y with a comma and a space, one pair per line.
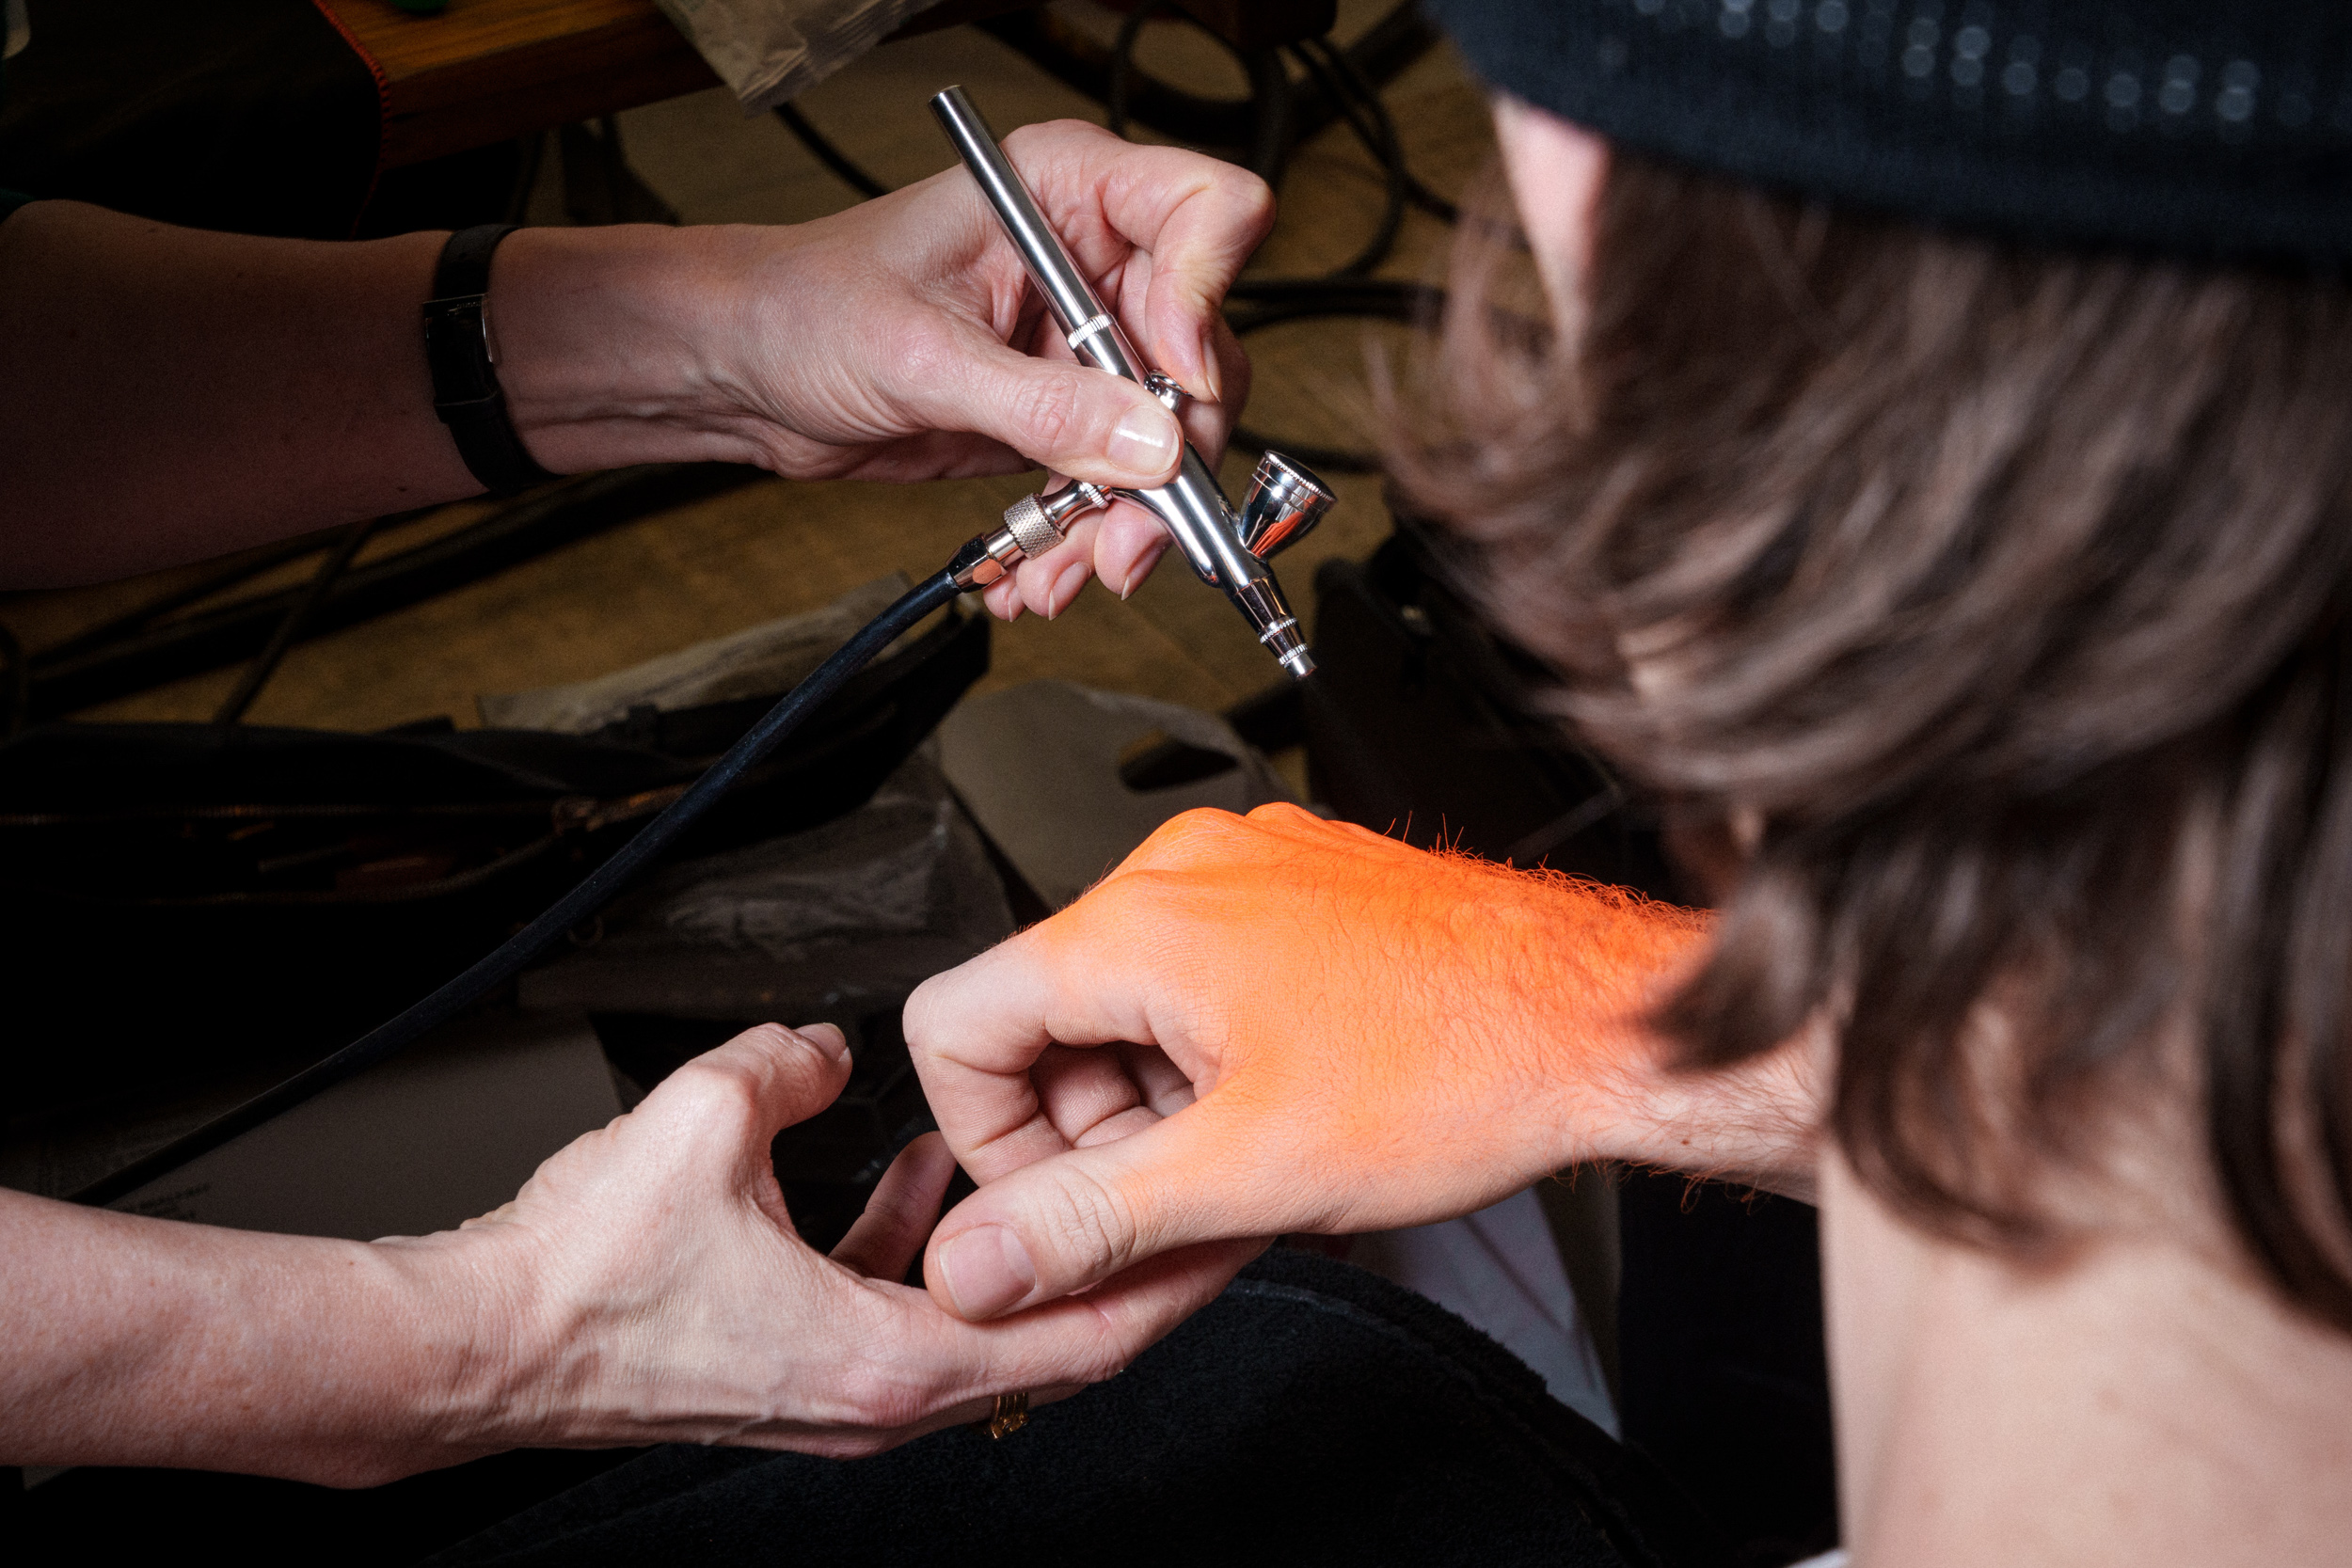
2002, 594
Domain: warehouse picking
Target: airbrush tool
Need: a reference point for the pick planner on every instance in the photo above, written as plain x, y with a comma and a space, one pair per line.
1229, 551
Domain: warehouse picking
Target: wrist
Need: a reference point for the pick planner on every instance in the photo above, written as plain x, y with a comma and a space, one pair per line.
606, 338
481, 1345
1614, 1086
1754, 1123
1757, 1123
422, 1354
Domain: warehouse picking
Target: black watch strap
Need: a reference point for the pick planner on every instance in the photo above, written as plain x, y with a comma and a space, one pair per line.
458, 346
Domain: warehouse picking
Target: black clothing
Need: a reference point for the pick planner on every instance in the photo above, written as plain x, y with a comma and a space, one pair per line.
1312, 1414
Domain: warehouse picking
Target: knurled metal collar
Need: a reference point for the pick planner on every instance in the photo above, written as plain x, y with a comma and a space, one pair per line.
1025, 520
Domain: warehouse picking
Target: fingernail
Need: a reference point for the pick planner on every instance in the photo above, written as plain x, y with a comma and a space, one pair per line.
825, 1037
1145, 441
1066, 587
1212, 383
1142, 567
987, 1270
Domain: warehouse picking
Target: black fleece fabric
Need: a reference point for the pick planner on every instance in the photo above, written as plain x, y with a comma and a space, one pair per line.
2205, 129
1312, 1414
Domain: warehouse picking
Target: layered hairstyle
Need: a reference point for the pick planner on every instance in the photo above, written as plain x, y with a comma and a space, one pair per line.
1998, 595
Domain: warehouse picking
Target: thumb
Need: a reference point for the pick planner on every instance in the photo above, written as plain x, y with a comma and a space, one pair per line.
756, 1085
1070, 418
1074, 1219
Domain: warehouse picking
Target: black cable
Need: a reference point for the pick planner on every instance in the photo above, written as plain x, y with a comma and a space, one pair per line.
134, 621
614, 166
1272, 299
1268, 146
1276, 300
298, 621
1347, 290
1072, 54
565, 914
826, 153
529, 154
1379, 139
17, 705
1343, 65
1124, 64
130, 655
1271, 113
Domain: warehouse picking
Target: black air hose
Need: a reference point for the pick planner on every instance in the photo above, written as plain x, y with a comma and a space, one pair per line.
568, 912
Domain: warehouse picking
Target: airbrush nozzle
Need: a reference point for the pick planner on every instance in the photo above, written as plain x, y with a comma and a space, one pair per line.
1190, 506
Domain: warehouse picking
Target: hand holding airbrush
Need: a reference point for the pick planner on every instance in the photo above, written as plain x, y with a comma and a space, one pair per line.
1228, 550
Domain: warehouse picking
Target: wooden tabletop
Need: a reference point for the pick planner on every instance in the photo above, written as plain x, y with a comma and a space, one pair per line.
486, 71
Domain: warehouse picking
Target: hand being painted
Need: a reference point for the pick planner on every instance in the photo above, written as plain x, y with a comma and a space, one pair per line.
1276, 1024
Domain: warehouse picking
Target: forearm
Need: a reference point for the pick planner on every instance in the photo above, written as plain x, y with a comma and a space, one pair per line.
169, 394
138, 1342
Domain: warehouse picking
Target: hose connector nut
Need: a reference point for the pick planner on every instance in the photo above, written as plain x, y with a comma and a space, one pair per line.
1033, 533
1032, 526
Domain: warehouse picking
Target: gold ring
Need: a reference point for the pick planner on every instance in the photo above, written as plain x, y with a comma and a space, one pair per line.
1010, 1415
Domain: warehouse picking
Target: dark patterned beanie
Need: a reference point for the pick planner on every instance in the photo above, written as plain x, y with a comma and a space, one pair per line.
2193, 129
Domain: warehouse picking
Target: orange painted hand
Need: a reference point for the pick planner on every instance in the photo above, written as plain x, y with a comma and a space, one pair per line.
1277, 1023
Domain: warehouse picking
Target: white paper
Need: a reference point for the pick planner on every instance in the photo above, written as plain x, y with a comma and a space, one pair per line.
772, 51
1500, 1270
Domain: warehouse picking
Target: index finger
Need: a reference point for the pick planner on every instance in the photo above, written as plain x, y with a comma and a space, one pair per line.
976, 1031
1199, 219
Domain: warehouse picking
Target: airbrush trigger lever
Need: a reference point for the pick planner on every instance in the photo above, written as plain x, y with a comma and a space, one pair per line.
1228, 550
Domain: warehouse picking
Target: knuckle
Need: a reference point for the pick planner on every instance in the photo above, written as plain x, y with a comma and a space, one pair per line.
1285, 814
1121, 1337
921, 1020
1201, 833
881, 1399
880, 1389
1041, 137
1250, 197
1045, 409
925, 355
1094, 1224
1131, 895
768, 1038
711, 1088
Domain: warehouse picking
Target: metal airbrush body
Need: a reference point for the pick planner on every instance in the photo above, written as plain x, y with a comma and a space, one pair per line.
1229, 551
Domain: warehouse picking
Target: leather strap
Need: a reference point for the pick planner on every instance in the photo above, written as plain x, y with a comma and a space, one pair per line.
464, 358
